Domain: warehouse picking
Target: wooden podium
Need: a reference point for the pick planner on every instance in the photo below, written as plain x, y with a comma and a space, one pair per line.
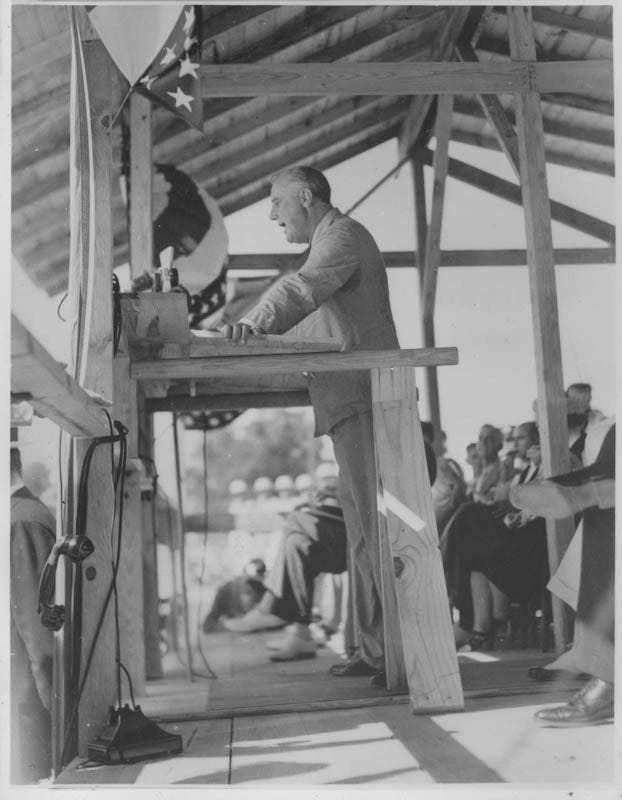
181, 370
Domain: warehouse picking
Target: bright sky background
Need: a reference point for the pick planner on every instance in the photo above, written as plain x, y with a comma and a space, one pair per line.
484, 311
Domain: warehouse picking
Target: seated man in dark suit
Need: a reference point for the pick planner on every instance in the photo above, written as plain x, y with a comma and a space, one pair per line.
591, 491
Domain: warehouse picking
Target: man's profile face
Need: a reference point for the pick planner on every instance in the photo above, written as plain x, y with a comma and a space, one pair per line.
288, 211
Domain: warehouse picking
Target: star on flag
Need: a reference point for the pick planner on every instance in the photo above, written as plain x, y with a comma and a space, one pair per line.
172, 80
187, 67
181, 99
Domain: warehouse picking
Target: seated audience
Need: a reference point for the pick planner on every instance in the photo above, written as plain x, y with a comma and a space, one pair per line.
237, 596
474, 460
448, 486
495, 544
489, 443
582, 394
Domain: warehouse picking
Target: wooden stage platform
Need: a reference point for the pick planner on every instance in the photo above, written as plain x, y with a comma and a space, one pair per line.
260, 723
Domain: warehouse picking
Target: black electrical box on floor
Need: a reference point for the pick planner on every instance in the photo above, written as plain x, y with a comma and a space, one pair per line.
129, 736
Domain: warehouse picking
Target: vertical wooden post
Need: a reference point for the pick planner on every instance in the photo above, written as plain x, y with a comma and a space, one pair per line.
421, 217
141, 260
551, 401
151, 622
130, 580
141, 170
431, 661
433, 253
95, 373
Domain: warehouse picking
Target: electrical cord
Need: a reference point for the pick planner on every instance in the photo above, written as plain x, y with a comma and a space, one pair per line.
60, 305
81, 515
116, 313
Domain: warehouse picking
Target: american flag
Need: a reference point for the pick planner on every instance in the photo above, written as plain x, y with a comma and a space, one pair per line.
172, 80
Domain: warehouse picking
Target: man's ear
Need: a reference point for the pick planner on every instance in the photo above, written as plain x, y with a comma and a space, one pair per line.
306, 196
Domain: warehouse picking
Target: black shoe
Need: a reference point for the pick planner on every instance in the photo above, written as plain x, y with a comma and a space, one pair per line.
353, 667
544, 675
589, 706
379, 680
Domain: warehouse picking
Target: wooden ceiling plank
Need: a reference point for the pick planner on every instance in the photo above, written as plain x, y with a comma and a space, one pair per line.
39, 56
569, 22
245, 195
568, 130
593, 78
581, 102
488, 182
600, 167
348, 117
319, 139
224, 19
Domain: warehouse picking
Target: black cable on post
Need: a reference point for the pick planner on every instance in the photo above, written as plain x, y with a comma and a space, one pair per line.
81, 516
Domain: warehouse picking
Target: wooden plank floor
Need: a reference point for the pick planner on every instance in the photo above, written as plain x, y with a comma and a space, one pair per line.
292, 724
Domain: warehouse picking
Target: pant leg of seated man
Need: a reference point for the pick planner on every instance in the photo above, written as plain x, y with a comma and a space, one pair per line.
353, 441
473, 532
593, 648
311, 545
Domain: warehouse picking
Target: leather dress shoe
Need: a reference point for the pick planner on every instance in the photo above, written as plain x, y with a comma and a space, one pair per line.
353, 667
379, 680
544, 675
590, 705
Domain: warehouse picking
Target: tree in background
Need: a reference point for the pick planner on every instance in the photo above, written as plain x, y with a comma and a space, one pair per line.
268, 442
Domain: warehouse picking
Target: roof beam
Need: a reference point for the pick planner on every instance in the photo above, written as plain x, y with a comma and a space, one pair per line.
494, 112
560, 212
433, 235
405, 259
247, 80
49, 388
421, 104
